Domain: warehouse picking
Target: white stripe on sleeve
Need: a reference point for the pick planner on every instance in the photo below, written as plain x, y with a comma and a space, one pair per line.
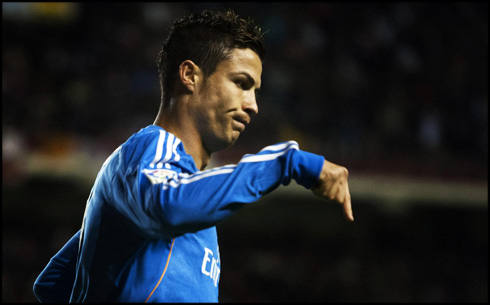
278, 147
267, 157
229, 169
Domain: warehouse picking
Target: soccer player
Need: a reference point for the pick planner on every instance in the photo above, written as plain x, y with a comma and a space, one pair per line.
149, 229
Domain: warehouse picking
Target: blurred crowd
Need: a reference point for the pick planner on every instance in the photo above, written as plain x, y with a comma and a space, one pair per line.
398, 88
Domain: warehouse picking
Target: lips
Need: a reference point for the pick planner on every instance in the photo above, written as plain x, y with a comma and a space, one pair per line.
241, 123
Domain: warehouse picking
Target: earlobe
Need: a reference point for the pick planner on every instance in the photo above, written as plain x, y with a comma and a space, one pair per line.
188, 71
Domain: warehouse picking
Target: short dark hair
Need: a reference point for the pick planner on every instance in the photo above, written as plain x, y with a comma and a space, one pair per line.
207, 39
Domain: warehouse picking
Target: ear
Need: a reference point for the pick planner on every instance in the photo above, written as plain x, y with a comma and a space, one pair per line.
189, 73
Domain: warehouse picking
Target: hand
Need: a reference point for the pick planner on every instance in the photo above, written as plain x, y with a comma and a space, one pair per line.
332, 185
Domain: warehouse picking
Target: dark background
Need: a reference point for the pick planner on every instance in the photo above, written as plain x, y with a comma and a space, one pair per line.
395, 92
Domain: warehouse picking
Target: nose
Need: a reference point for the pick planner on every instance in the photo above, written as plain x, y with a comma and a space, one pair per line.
250, 104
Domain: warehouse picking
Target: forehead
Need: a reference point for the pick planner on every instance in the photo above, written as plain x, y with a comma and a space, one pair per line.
242, 60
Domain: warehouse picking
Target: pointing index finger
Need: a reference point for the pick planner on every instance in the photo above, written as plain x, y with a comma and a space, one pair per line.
348, 206
348, 209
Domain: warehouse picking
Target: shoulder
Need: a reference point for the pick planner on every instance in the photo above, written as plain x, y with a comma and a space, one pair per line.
152, 147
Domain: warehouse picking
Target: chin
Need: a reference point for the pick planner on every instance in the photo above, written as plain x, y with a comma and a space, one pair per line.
229, 142
234, 137
223, 143
232, 142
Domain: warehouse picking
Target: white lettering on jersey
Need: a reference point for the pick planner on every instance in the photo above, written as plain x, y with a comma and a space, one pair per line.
213, 270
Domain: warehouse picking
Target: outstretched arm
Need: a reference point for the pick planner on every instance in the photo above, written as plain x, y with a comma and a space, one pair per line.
168, 203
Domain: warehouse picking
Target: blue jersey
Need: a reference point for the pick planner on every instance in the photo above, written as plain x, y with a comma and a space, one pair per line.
149, 229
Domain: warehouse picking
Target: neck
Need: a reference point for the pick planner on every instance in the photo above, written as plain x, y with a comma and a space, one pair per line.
174, 121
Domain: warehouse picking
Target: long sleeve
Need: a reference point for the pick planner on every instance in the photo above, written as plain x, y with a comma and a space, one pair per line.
55, 283
169, 202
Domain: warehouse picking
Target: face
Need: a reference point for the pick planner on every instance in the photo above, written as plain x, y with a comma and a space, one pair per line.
226, 100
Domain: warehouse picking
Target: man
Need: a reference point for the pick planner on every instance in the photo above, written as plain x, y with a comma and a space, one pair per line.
149, 229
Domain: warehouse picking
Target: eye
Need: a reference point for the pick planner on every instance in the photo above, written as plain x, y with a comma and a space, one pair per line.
239, 84
244, 85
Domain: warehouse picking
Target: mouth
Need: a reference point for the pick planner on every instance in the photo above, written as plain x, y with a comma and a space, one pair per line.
240, 123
